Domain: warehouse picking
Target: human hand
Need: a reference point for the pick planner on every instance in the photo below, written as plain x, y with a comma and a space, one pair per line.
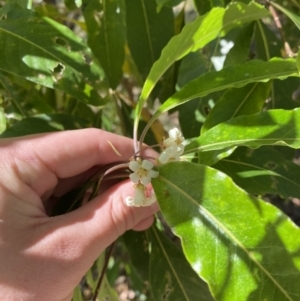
42, 257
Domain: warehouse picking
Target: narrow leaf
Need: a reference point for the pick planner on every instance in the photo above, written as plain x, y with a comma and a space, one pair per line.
244, 248
197, 34
106, 27
235, 102
218, 22
47, 53
148, 31
271, 127
230, 77
262, 171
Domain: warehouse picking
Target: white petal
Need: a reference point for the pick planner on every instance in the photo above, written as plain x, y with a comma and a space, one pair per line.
174, 133
146, 180
139, 197
134, 165
147, 164
164, 157
169, 142
134, 177
180, 149
153, 173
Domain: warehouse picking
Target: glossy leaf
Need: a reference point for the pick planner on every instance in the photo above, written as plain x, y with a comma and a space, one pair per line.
194, 36
243, 247
171, 277
262, 171
105, 23
235, 102
47, 53
148, 31
197, 34
273, 127
230, 77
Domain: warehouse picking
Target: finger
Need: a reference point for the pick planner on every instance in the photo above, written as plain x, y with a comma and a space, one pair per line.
144, 224
70, 153
100, 222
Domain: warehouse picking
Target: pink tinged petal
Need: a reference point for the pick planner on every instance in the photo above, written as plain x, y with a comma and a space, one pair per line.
147, 164
134, 177
134, 165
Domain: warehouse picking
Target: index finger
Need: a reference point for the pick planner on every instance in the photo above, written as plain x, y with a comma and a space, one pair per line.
70, 153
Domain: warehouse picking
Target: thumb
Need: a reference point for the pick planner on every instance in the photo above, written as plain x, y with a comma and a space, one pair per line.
101, 221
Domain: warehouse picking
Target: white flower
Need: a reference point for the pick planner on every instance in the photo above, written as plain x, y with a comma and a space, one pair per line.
170, 154
143, 196
175, 138
142, 172
172, 146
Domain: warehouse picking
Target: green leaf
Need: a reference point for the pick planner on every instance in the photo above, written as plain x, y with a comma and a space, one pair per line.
47, 53
197, 34
44, 124
289, 14
235, 102
244, 248
105, 23
240, 52
140, 260
2, 121
106, 292
202, 6
147, 31
77, 296
171, 277
273, 127
229, 77
168, 3
13, 92
262, 171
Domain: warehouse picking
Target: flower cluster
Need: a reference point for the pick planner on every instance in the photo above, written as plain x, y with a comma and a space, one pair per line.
141, 176
143, 170
172, 147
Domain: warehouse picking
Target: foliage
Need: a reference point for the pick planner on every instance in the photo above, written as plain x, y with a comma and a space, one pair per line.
119, 65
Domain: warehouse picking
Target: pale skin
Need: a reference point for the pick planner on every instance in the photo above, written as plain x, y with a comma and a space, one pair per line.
42, 257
